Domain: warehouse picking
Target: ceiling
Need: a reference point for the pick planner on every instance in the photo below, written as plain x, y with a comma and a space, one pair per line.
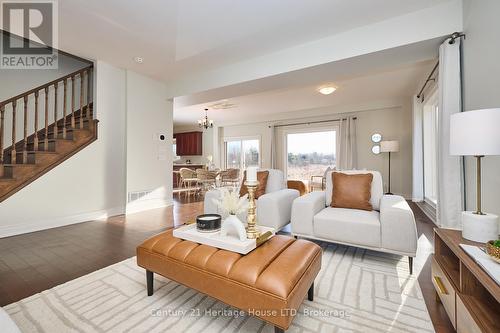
181, 37
381, 78
359, 92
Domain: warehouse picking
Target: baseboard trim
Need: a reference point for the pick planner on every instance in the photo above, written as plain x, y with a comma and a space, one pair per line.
142, 205
13, 230
428, 211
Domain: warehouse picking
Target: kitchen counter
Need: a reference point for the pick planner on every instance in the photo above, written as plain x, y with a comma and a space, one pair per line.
185, 165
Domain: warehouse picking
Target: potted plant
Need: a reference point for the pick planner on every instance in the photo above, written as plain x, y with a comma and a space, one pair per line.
493, 249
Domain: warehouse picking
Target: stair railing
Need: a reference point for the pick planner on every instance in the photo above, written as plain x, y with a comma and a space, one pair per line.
31, 121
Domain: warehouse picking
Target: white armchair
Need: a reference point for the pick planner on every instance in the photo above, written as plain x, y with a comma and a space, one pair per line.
390, 227
7, 324
273, 208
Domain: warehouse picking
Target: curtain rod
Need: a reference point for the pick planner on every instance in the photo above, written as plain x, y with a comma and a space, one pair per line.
311, 122
452, 38
429, 78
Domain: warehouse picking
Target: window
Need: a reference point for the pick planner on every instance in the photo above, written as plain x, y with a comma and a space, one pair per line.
430, 128
242, 153
310, 153
250, 153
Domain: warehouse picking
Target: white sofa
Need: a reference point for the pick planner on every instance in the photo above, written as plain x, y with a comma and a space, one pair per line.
390, 227
7, 325
273, 208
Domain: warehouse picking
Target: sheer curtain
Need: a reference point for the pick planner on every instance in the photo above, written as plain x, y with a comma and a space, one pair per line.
449, 187
418, 151
347, 155
272, 130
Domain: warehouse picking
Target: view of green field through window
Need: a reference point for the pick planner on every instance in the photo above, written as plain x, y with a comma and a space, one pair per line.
310, 154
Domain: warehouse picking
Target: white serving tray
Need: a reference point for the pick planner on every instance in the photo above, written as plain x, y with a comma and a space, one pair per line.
484, 260
229, 242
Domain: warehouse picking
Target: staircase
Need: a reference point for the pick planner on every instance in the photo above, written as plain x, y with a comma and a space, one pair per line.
57, 121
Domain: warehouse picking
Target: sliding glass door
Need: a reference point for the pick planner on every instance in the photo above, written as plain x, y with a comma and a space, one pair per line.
242, 153
250, 153
233, 155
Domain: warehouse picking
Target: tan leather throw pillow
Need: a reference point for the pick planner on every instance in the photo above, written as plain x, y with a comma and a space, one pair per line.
261, 188
352, 191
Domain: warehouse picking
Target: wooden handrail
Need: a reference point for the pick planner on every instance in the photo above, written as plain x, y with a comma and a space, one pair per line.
62, 119
46, 85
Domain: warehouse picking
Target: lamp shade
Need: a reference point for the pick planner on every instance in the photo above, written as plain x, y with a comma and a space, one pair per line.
475, 133
389, 146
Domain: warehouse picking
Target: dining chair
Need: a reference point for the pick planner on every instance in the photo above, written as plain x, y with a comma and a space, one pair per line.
206, 178
188, 179
230, 177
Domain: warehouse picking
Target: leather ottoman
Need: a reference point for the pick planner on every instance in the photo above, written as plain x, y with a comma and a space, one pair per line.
270, 282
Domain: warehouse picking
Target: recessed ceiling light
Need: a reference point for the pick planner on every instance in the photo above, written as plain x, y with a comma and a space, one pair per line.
327, 90
139, 60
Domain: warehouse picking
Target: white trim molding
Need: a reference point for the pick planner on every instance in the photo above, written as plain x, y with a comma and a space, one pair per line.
13, 230
142, 205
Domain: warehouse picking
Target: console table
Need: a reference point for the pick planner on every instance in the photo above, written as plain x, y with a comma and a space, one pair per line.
469, 295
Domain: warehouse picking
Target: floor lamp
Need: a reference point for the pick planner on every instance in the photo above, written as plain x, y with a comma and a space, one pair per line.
475, 133
389, 147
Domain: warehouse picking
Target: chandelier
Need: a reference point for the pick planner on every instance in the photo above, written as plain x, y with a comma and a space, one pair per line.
205, 123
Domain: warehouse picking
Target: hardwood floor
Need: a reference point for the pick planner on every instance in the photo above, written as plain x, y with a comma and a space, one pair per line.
34, 262
425, 230
38, 261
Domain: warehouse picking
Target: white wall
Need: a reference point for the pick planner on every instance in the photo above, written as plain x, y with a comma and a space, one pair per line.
149, 160
16, 81
481, 84
94, 183
87, 186
393, 123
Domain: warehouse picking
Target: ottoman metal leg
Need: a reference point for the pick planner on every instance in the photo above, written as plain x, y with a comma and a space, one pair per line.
149, 281
310, 293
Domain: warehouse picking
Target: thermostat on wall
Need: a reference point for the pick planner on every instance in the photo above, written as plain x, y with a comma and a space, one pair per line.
161, 137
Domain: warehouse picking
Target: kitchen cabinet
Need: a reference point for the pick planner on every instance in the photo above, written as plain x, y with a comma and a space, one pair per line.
189, 143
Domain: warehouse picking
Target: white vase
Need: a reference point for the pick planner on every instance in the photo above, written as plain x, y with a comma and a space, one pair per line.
233, 226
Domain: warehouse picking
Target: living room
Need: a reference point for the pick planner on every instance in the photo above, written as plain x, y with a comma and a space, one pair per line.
266, 122
328, 166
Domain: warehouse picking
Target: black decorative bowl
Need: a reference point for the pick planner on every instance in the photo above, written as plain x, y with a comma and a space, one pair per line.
208, 223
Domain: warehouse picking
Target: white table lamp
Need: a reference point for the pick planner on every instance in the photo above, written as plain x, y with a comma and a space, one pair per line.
476, 133
389, 147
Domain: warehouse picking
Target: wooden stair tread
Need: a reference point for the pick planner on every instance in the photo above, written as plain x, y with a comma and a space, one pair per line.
20, 165
26, 173
42, 152
36, 152
20, 145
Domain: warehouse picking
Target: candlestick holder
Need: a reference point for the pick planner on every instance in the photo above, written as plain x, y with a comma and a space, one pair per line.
252, 231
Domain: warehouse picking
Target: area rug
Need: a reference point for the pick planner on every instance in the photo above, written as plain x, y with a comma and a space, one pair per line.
356, 291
